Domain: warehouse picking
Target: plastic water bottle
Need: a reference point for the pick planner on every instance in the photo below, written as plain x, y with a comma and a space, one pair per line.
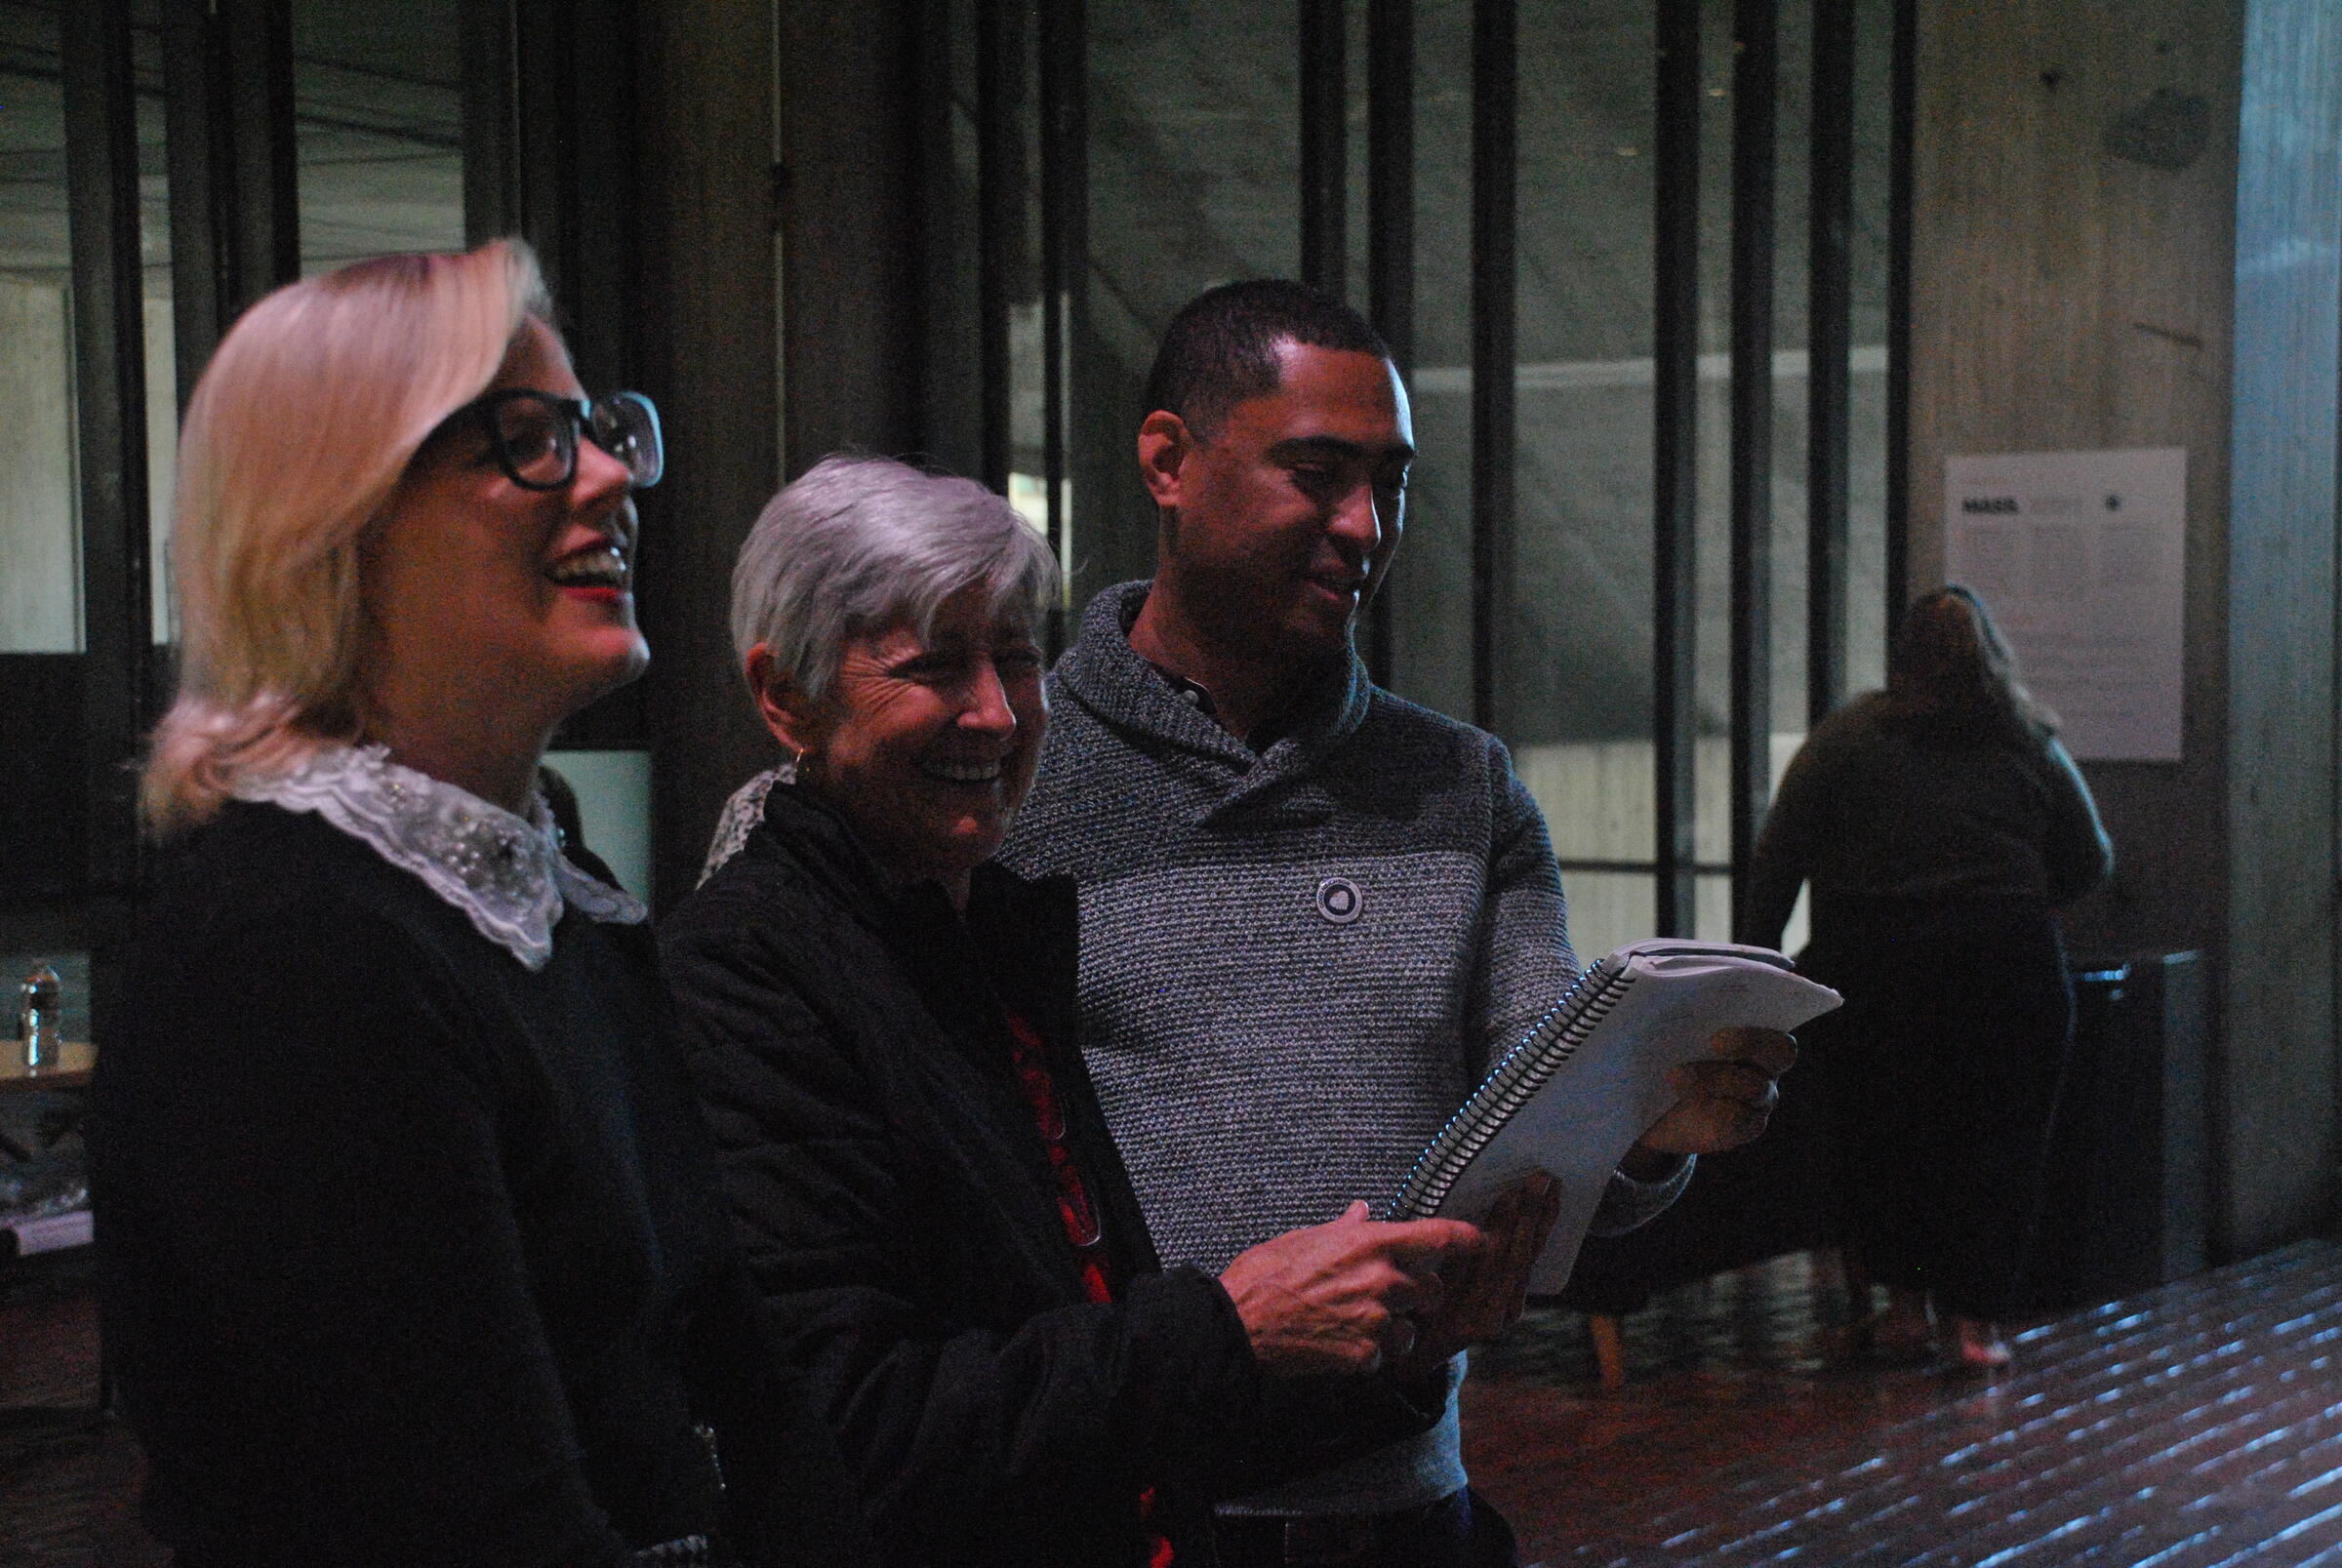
39, 1001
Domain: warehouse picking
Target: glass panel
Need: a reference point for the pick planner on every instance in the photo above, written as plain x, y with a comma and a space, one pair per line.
950, 382
161, 349
1027, 333
1711, 755
1194, 147
1431, 582
42, 851
1580, 713
1866, 555
40, 571
1792, 383
1358, 166
1866, 566
377, 90
1608, 909
1866, 573
1711, 905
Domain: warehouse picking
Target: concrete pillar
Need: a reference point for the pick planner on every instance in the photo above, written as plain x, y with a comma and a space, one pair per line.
2280, 1079
2099, 264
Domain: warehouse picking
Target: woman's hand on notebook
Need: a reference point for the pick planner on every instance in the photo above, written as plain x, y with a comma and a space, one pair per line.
1343, 1297
1721, 1101
1488, 1289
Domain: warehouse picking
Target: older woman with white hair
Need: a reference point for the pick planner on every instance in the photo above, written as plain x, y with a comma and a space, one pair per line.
881, 1022
413, 1248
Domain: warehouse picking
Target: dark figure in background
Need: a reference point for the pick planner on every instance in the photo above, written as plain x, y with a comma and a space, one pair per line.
1941, 825
413, 1248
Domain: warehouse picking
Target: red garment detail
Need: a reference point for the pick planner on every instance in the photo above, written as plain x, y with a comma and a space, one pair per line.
1158, 1550
1074, 1206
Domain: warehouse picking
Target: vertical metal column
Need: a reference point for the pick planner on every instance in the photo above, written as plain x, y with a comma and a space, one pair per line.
491, 121
1674, 449
110, 413
946, 413
1753, 82
1829, 336
1324, 146
999, 220
1904, 110
198, 155
265, 218
1495, 220
1389, 231
579, 203
228, 115
546, 58
1064, 44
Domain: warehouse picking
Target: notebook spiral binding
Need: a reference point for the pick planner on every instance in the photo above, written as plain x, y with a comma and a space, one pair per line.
1552, 1040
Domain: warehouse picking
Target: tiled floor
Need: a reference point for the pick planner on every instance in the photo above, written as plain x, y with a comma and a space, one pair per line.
2196, 1426
68, 1476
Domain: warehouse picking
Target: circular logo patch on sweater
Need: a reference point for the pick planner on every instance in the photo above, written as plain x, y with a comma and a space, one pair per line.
1339, 899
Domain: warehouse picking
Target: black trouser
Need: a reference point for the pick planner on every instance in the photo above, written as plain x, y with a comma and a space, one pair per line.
1459, 1531
1942, 1075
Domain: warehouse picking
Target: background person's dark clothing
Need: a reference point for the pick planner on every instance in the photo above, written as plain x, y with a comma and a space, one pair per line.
413, 1254
851, 1046
1936, 859
1878, 808
1940, 1077
1459, 1531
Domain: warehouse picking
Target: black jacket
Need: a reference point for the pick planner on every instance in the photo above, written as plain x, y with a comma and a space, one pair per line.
851, 1048
413, 1254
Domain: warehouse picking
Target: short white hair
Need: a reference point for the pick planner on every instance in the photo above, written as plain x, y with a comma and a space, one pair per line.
862, 542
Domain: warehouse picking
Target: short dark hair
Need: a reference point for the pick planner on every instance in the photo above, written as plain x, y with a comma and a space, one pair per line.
1221, 348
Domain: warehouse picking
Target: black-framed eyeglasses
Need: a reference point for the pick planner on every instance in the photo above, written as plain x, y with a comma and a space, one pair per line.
535, 434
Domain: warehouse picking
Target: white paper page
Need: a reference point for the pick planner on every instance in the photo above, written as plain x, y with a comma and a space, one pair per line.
1608, 1094
2081, 558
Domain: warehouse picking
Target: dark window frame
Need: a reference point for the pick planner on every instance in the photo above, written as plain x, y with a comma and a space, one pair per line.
1323, 247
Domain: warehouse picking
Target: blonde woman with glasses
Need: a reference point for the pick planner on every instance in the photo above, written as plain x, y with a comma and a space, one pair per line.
413, 1250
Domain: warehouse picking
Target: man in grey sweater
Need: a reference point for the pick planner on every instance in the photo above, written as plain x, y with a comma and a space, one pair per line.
1310, 911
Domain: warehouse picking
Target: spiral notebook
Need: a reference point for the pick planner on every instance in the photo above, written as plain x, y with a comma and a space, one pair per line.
1590, 1077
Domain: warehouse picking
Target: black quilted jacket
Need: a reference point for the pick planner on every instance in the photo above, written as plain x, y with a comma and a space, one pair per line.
901, 1219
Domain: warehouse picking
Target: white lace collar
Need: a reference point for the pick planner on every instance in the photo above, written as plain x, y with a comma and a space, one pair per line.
506, 874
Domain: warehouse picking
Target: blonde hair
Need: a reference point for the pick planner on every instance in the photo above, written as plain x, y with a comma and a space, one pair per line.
1950, 672
296, 438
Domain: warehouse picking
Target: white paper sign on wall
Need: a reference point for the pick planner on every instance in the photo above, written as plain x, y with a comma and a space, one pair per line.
2082, 557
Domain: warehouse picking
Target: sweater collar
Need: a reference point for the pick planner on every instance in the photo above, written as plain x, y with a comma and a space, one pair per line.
1106, 676
505, 872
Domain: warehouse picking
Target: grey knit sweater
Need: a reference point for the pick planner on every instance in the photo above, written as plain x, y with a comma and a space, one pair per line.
1294, 965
